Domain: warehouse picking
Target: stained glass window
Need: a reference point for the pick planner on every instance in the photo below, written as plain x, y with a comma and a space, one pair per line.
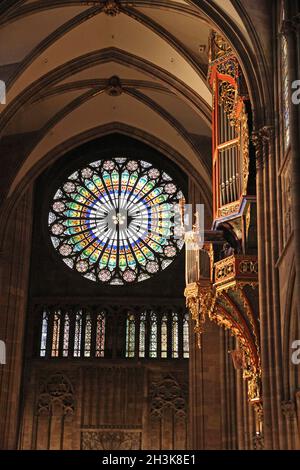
142, 338
77, 338
285, 91
66, 335
164, 336
174, 335
100, 335
186, 344
88, 335
81, 332
113, 221
153, 335
56, 333
44, 334
130, 335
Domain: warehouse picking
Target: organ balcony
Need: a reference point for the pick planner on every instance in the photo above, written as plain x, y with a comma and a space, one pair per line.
225, 292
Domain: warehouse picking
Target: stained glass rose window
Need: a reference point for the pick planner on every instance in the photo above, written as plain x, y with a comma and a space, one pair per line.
113, 221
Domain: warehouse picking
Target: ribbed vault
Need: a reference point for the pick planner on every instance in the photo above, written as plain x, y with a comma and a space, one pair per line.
73, 67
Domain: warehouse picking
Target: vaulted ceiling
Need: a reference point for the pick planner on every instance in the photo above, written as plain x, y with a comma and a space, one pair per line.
74, 68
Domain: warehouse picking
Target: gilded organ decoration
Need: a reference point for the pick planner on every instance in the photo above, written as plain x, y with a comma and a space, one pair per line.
230, 128
228, 293
198, 301
227, 300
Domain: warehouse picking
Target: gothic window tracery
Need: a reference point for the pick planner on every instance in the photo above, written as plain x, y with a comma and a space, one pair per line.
90, 333
113, 221
130, 335
164, 336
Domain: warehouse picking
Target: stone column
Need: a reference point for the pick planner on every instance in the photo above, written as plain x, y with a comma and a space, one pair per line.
196, 429
264, 333
289, 412
229, 422
274, 293
14, 270
270, 323
291, 29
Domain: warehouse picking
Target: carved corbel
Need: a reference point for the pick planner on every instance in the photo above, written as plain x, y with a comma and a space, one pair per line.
198, 301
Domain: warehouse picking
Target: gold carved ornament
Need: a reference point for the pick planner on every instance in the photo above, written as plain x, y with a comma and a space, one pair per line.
198, 301
215, 301
226, 80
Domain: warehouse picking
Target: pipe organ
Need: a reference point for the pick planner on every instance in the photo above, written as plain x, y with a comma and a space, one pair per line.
222, 276
230, 128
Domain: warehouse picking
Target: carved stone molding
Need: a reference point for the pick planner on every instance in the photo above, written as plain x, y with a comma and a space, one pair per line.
56, 396
110, 440
167, 393
262, 141
288, 409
